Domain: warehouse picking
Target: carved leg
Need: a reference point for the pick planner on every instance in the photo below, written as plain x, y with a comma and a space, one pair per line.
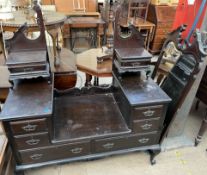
197, 105
88, 80
201, 131
96, 81
19, 173
153, 154
12, 84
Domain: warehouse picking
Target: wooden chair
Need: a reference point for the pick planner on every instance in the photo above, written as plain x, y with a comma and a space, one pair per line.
138, 8
169, 54
79, 5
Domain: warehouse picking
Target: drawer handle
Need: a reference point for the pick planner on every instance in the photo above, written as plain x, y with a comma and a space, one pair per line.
36, 156
29, 128
149, 113
143, 140
76, 150
146, 126
33, 141
28, 69
108, 145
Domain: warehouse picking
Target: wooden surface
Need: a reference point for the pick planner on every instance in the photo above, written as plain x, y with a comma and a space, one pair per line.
65, 75
22, 101
66, 6
4, 83
51, 20
87, 62
163, 18
101, 117
142, 25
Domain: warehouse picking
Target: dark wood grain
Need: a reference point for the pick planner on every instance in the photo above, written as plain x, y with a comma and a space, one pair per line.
87, 116
29, 98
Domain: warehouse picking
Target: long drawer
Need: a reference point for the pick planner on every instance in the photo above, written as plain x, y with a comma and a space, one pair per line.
126, 142
54, 152
148, 112
32, 141
29, 126
138, 140
143, 126
110, 144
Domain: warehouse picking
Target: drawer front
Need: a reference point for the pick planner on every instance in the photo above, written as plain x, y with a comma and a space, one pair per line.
32, 141
143, 126
149, 112
144, 140
110, 144
29, 126
54, 153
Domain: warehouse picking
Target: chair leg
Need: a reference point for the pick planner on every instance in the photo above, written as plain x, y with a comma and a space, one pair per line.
197, 105
201, 131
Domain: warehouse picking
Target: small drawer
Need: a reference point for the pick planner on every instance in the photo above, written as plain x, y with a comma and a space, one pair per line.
144, 139
29, 126
54, 153
143, 126
147, 112
32, 141
110, 144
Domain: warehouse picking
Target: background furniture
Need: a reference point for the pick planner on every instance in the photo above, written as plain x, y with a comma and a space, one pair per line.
65, 75
163, 18
87, 62
147, 28
138, 8
67, 7
89, 27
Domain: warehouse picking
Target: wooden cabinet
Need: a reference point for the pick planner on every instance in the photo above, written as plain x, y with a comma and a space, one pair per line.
45, 128
163, 18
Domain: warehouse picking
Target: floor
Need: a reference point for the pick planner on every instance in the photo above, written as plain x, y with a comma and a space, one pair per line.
180, 161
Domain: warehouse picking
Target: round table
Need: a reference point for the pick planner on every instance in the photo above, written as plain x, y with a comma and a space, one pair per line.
53, 22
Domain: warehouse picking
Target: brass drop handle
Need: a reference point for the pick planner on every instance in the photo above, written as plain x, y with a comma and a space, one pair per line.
143, 140
146, 126
148, 113
33, 141
29, 128
76, 150
28, 69
36, 156
108, 145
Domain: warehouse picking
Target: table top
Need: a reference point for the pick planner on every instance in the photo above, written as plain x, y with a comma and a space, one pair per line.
67, 61
138, 22
85, 20
20, 17
87, 62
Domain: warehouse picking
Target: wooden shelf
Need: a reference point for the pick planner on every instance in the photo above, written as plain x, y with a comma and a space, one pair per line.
86, 117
